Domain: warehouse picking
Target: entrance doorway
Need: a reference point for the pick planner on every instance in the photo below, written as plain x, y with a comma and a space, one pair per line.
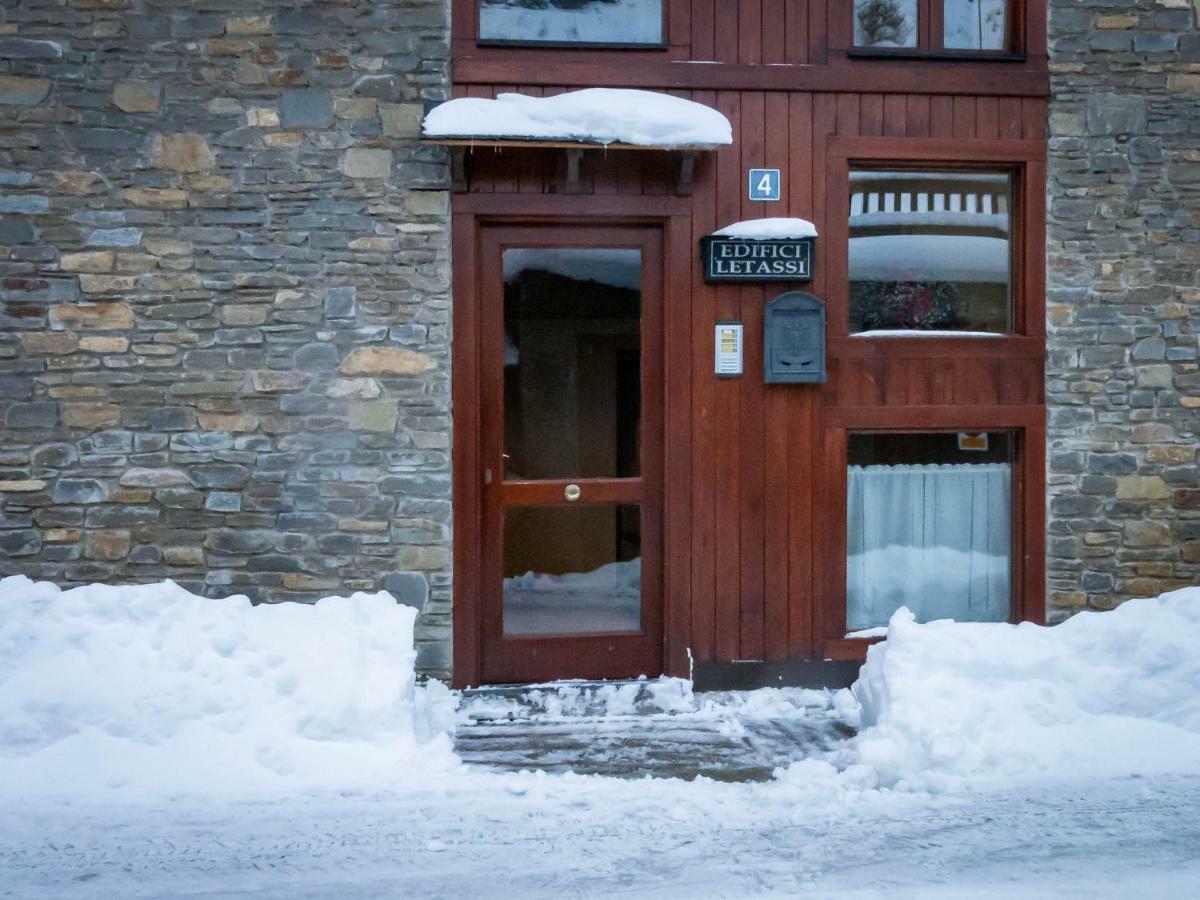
570, 335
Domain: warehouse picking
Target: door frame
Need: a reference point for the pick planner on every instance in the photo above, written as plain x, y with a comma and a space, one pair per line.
469, 369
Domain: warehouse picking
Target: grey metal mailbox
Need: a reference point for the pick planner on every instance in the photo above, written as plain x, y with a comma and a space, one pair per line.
794, 339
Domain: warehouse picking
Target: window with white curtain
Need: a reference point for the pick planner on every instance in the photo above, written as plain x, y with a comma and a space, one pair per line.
929, 526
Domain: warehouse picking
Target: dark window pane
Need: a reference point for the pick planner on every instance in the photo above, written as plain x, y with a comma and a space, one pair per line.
929, 526
885, 23
930, 251
572, 569
976, 24
572, 363
572, 21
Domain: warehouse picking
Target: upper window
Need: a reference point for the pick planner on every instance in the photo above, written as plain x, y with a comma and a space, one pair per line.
932, 25
930, 251
572, 21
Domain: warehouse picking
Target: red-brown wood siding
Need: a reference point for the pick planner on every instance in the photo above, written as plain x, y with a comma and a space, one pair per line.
755, 474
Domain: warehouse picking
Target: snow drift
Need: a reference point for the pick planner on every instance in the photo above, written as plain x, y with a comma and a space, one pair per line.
1102, 695
154, 689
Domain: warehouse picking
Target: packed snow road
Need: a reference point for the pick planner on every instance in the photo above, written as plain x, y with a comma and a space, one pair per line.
530, 836
210, 748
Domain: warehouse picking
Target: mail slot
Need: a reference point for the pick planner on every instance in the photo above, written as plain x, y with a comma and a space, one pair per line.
794, 339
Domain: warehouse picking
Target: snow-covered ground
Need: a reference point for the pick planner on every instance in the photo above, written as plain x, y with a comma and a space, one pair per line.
155, 744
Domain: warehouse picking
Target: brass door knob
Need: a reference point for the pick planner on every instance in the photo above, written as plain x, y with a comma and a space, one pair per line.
572, 492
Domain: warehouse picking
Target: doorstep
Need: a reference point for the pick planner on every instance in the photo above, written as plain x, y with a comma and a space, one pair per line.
661, 728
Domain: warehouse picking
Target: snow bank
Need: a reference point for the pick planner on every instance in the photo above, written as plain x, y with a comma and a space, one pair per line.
769, 229
1102, 695
152, 689
594, 115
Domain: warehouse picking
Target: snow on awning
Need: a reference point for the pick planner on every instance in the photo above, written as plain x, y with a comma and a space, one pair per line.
606, 116
769, 229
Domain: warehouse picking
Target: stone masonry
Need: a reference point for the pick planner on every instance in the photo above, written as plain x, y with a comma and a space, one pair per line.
1123, 382
224, 348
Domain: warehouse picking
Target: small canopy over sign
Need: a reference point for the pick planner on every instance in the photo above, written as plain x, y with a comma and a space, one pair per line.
769, 229
604, 116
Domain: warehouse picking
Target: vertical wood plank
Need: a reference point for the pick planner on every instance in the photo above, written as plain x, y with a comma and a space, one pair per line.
964, 117
749, 31
987, 118
795, 30
774, 31
895, 115
728, 410
848, 122
917, 123
679, 24
465, 460
703, 30
1009, 117
726, 23
818, 33
677, 457
704, 420
752, 410
870, 115
941, 116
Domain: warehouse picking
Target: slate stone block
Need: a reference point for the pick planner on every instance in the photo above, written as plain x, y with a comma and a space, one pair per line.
409, 588
15, 230
305, 109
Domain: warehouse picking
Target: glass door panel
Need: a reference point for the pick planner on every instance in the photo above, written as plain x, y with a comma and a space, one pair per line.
571, 392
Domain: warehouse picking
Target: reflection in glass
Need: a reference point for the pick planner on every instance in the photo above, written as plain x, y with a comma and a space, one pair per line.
572, 363
930, 251
572, 569
976, 24
885, 23
928, 527
572, 21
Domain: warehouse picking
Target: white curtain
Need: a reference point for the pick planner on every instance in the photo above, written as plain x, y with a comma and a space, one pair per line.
934, 538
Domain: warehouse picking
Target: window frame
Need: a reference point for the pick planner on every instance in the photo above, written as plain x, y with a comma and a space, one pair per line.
931, 36
1014, 500
1014, 174
662, 44
1024, 159
1027, 516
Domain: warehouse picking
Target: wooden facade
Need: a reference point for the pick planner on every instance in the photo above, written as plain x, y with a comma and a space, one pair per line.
753, 475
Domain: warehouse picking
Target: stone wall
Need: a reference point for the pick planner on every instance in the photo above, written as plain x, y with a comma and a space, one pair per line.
1123, 385
223, 266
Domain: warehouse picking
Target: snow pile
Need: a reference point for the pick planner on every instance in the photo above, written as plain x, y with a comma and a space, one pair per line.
769, 229
154, 689
593, 115
1101, 695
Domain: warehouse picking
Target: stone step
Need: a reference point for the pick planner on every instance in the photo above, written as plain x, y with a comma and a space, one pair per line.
577, 698
638, 728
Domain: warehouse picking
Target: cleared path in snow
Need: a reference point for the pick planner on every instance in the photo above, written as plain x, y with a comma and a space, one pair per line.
570, 837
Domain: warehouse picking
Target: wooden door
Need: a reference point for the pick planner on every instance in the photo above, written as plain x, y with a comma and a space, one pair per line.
571, 452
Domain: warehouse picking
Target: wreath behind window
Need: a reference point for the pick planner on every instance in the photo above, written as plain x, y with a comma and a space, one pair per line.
908, 304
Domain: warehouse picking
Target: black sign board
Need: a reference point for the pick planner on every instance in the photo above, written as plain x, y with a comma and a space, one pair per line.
741, 259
